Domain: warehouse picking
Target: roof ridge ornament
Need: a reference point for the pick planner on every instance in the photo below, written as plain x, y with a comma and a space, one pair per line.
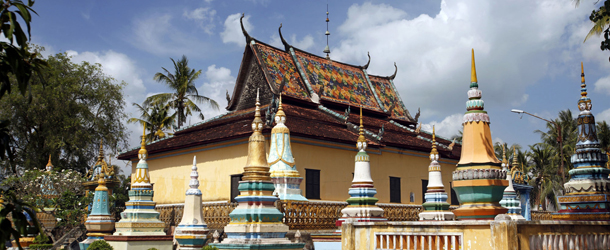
327, 49
286, 45
395, 71
366, 66
243, 30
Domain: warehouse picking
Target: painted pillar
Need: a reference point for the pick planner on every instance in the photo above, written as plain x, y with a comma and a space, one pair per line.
436, 206
192, 231
99, 222
361, 204
140, 216
587, 193
479, 180
256, 223
284, 174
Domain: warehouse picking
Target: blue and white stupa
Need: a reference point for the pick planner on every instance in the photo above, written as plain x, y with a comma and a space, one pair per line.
436, 206
284, 174
509, 198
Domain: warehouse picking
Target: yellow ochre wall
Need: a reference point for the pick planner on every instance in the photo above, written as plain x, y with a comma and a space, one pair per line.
217, 162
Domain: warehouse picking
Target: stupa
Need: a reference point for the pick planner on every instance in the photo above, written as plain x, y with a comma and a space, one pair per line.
587, 193
99, 222
361, 205
192, 231
479, 180
509, 199
436, 206
140, 227
284, 174
256, 223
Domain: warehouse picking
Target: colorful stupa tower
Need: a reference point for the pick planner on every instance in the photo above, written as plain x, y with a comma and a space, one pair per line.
256, 223
587, 193
479, 180
361, 205
99, 222
192, 231
140, 226
284, 174
509, 199
436, 206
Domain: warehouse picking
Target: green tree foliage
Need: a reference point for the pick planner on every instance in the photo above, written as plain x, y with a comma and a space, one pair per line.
185, 96
567, 133
100, 245
600, 18
66, 117
157, 120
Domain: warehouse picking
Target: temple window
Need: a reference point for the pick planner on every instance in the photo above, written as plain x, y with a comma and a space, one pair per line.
312, 184
395, 189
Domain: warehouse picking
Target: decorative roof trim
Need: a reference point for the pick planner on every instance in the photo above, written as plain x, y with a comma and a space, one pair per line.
366, 66
243, 30
286, 45
395, 71
368, 81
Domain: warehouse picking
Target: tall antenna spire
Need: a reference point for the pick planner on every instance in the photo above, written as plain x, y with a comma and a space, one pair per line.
327, 49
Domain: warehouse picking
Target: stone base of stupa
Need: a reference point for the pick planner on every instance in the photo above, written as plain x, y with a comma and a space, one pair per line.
257, 236
85, 243
288, 188
479, 198
370, 213
140, 228
191, 237
436, 215
140, 242
479, 212
277, 244
584, 207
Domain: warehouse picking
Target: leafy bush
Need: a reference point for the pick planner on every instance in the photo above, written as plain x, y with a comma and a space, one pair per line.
41, 246
208, 247
152, 248
41, 239
100, 245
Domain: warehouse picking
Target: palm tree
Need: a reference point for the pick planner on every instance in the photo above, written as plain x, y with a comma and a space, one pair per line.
185, 95
544, 168
567, 132
599, 18
156, 118
509, 150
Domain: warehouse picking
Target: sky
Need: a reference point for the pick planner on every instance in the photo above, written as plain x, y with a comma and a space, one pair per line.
528, 52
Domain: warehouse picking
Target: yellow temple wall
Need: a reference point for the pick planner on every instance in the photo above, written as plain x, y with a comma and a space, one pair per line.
216, 163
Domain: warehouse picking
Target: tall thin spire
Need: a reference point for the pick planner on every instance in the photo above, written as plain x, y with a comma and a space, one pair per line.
504, 160
327, 49
49, 166
515, 162
143, 144
100, 157
257, 167
434, 151
473, 70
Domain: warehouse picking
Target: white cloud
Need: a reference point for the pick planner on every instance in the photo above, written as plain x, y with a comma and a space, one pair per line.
518, 102
205, 17
603, 85
304, 44
603, 116
232, 32
217, 81
448, 127
156, 34
433, 52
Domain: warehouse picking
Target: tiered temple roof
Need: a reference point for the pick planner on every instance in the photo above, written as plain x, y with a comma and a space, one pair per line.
318, 95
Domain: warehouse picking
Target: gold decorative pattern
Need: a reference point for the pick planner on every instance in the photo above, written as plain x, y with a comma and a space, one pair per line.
541, 215
564, 199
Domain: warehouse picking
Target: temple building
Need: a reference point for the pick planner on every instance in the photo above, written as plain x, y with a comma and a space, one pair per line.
319, 95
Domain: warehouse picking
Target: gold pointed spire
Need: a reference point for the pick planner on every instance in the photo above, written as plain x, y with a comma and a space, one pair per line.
361, 137
257, 167
100, 157
473, 70
515, 163
434, 151
280, 110
49, 163
504, 160
143, 144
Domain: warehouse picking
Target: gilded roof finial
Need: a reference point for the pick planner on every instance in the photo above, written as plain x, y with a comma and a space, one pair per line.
100, 157
257, 123
143, 144
434, 151
280, 110
49, 166
584, 103
515, 162
473, 70
361, 134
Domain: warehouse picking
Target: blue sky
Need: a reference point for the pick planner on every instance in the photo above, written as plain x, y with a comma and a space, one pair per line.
528, 52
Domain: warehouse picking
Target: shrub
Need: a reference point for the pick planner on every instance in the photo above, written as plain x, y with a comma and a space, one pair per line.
152, 248
100, 245
40, 246
208, 247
